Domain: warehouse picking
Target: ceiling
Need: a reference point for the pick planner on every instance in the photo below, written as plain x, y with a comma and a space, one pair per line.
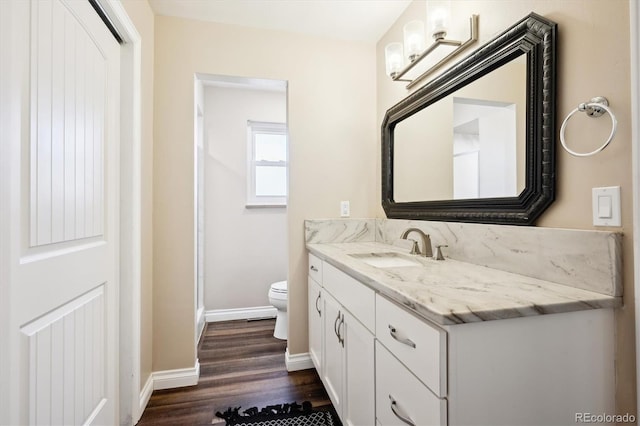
363, 20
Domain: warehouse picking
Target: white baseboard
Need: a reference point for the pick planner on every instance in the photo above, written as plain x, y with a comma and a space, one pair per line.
298, 361
176, 378
200, 320
145, 395
166, 380
255, 312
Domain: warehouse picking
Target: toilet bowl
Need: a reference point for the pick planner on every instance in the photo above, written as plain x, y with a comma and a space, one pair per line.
278, 298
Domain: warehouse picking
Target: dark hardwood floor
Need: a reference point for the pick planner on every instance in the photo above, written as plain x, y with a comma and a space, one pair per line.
241, 364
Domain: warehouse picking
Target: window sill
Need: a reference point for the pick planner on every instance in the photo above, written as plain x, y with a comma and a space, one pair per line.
265, 206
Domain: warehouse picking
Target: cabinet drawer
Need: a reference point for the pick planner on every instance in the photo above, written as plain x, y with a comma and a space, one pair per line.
400, 391
315, 268
356, 297
420, 346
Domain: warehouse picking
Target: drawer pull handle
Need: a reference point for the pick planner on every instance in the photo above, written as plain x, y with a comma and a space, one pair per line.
392, 331
398, 414
340, 338
318, 309
313, 268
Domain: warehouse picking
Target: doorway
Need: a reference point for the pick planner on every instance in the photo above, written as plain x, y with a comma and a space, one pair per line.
484, 149
241, 176
634, 19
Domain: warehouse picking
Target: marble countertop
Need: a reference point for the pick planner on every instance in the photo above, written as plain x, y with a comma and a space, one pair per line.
453, 292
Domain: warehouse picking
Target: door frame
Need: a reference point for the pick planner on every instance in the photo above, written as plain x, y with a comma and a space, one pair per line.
132, 399
634, 42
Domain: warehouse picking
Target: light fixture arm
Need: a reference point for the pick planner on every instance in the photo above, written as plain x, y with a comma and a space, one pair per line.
461, 45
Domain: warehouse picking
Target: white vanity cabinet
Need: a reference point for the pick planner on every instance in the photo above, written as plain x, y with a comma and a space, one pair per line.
535, 370
346, 356
383, 364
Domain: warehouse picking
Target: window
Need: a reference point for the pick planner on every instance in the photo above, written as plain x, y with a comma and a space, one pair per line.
267, 174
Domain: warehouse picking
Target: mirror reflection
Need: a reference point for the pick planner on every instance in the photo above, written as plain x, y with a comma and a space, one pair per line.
470, 144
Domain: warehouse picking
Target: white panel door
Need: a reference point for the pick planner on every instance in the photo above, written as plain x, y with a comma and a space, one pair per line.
59, 179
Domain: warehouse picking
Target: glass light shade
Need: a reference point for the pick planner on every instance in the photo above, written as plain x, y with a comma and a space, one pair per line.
393, 58
439, 20
414, 39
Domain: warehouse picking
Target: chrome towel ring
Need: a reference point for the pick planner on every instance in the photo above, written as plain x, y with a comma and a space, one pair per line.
594, 108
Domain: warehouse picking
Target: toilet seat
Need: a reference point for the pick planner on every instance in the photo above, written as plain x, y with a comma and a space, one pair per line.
279, 287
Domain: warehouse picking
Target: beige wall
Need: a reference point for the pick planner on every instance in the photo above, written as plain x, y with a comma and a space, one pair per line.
331, 104
142, 17
587, 66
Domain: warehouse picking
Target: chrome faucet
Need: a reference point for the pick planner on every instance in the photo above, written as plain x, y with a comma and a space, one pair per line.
426, 242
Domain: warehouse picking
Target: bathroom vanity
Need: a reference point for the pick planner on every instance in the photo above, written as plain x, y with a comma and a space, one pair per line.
404, 339
515, 325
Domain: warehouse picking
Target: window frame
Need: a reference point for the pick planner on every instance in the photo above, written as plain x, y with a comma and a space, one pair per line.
273, 128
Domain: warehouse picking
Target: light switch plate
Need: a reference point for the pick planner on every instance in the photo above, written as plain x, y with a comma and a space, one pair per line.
606, 206
345, 210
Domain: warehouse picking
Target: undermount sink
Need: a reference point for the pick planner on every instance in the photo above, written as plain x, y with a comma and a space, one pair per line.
386, 260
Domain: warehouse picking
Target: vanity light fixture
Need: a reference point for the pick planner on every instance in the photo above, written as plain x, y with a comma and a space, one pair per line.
393, 54
414, 40
415, 51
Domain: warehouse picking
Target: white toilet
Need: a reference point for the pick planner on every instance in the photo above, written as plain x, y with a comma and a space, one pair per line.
278, 298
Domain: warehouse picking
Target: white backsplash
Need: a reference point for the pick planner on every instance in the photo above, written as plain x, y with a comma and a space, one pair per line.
590, 260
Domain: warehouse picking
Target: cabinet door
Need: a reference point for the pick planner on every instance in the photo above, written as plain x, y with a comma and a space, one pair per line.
315, 324
333, 355
359, 401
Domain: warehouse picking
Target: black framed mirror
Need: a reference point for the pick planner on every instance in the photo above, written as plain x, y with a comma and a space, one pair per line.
477, 143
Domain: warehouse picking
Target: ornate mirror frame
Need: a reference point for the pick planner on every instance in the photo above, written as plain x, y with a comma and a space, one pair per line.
535, 37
